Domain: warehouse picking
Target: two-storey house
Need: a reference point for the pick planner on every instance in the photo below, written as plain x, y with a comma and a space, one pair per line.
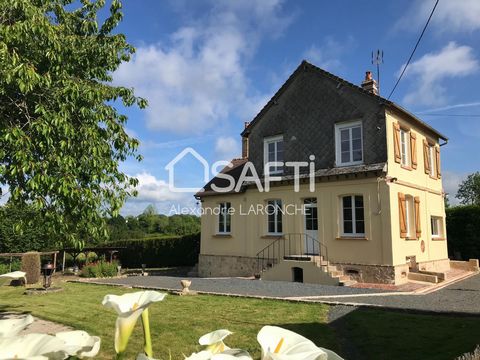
357, 191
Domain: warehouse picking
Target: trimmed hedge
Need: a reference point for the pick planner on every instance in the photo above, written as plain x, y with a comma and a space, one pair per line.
463, 232
174, 251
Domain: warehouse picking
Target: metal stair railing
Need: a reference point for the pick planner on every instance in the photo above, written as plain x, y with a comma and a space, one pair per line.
299, 244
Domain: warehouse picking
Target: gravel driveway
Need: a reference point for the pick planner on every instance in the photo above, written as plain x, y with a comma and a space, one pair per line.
460, 297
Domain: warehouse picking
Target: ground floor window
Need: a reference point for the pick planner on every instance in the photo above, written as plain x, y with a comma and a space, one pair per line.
224, 218
353, 219
437, 227
274, 216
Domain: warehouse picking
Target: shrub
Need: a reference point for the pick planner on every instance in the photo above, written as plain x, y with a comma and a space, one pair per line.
4, 268
463, 232
172, 251
31, 266
100, 269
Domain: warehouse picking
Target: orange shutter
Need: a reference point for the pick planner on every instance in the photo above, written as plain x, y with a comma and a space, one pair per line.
402, 213
418, 224
396, 142
426, 156
413, 149
437, 162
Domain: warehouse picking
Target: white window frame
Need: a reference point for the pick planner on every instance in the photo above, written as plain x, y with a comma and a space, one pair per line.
433, 162
272, 140
338, 148
438, 220
224, 215
354, 232
410, 216
405, 155
277, 216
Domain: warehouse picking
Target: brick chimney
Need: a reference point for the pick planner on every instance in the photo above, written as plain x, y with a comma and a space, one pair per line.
245, 143
369, 84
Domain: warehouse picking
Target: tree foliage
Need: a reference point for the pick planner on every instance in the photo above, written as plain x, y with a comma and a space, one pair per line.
469, 190
61, 137
34, 236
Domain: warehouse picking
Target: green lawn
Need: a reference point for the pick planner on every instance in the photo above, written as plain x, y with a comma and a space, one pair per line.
178, 322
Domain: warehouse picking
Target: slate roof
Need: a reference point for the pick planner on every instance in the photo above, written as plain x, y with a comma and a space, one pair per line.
306, 65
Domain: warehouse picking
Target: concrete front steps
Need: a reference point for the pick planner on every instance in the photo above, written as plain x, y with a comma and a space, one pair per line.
314, 270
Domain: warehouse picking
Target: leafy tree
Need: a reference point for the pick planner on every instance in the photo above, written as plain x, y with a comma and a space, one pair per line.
469, 190
61, 137
33, 238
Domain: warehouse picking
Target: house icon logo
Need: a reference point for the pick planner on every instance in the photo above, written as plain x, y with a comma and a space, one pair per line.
170, 167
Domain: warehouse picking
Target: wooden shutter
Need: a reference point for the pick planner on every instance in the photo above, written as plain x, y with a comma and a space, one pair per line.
402, 213
426, 156
413, 149
396, 142
418, 224
437, 161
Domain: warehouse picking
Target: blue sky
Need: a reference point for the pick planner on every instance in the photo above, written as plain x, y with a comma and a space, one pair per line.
207, 66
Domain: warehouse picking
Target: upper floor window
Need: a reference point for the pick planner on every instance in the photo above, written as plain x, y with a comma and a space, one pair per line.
273, 152
274, 217
405, 146
224, 218
353, 218
432, 160
349, 143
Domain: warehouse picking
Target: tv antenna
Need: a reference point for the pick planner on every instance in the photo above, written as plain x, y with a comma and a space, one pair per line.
377, 59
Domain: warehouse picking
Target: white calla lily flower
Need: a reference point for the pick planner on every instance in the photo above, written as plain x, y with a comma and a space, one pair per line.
214, 343
282, 344
11, 327
129, 307
79, 343
33, 347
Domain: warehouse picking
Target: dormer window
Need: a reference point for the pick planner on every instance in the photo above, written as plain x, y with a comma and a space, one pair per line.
349, 143
273, 153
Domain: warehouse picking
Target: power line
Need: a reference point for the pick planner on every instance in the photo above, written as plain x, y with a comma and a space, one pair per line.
414, 49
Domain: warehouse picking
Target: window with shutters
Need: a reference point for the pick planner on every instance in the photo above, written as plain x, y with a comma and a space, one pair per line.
225, 218
353, 218
405, 147
409, 215
349, 143
432, 161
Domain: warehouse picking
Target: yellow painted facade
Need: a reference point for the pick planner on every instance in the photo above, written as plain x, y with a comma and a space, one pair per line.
382, 244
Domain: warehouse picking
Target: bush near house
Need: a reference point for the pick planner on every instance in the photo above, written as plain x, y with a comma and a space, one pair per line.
463, 232
162, 252
100, 269
31, 266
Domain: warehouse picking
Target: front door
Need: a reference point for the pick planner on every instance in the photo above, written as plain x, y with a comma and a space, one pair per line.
310, 244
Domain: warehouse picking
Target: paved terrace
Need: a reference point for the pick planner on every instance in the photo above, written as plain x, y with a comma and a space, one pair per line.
459, 297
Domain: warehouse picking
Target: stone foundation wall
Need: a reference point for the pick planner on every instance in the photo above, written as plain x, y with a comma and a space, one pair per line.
382, 274
471, 265
435, 265
226, 266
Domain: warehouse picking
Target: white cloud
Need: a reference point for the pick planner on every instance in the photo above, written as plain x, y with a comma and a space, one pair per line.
327, 55
199, 77
227, 148
155, 191
431, 70
449, 16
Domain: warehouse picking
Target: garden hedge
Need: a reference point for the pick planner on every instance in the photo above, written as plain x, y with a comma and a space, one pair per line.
463, 232
174, 251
